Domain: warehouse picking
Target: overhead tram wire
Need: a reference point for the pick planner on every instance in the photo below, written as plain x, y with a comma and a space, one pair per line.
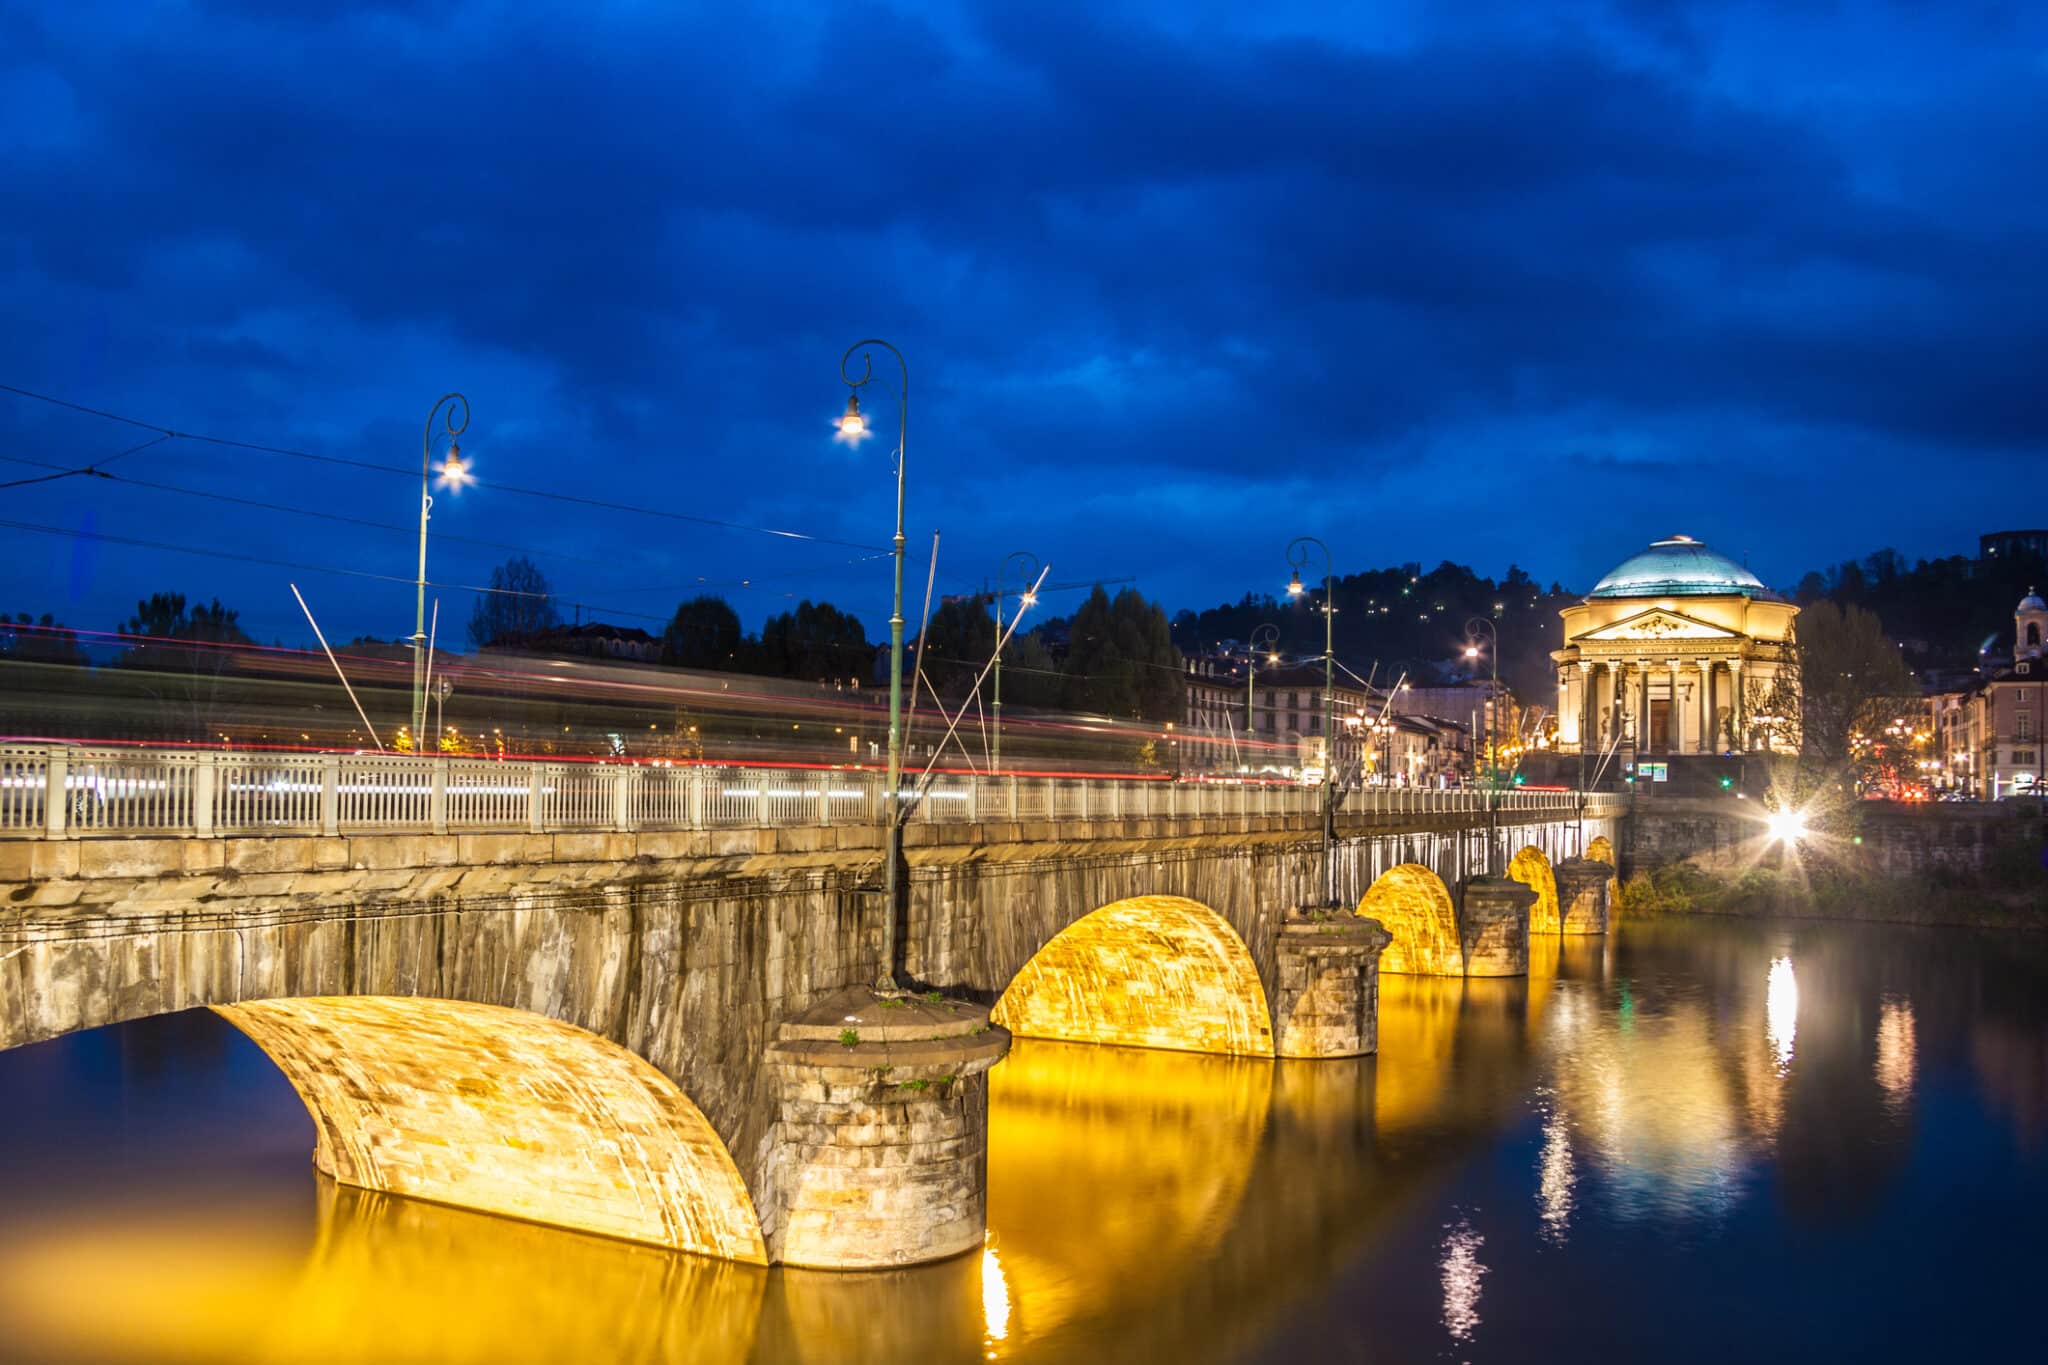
268, 562
169, 433
163, 433
97, 472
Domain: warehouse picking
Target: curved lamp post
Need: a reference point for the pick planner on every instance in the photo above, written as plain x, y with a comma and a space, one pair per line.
853, 429
454, 474
995, 758
1297, 559
1492, 700
1265, 640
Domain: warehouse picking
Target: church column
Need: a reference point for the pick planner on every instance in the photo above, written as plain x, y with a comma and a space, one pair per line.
1735, 705
1566, 724
1674, 727
1704, 744
1643, 705
1589, 708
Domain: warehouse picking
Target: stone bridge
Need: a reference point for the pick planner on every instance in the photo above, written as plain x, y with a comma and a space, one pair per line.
666, 1034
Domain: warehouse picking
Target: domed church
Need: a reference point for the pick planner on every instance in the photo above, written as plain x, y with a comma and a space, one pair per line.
1676, 652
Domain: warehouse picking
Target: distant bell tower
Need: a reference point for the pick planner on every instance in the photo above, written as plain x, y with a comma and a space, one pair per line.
2029, 627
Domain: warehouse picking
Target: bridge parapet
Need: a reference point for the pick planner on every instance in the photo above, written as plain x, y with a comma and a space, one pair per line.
56, 791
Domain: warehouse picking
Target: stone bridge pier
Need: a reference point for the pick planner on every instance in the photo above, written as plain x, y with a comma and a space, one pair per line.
668, 1036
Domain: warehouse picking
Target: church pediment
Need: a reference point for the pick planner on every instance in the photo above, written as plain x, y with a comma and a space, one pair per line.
1659, 624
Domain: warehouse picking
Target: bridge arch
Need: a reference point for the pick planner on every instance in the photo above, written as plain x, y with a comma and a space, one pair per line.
1415, 906
1531, 867
1149, 971
1600, 849
507, 1112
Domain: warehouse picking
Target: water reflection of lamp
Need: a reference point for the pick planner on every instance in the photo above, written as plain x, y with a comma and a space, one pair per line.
1781, 1010
1896, 1050
995, 1297
1462, 1273
1554, 1185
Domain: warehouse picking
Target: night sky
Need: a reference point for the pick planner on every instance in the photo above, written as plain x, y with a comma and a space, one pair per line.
1489, 282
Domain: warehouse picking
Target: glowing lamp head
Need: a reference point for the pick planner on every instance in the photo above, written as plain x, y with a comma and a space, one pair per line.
1272, 658
1787, 826
1294, 585
454, 470
1030, 599
853, 428
1471, 651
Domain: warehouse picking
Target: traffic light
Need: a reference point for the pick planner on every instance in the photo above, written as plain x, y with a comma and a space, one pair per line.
1726, 782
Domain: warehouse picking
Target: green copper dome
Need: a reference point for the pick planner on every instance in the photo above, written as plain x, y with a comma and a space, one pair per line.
1680, 567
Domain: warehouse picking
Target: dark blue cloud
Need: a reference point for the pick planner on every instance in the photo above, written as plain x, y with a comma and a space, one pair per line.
1176, 283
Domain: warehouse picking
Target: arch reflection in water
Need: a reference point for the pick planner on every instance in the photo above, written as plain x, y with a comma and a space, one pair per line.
385, 1279
1113, 1167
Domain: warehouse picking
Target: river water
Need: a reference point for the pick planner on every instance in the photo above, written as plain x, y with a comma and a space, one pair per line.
1703, 1141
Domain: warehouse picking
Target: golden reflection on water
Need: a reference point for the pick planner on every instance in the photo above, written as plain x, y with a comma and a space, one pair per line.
1142, 1204
1651, 1104
385, 1279
1114, 1165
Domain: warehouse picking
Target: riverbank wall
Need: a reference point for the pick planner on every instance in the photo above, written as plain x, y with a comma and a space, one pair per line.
1880, 861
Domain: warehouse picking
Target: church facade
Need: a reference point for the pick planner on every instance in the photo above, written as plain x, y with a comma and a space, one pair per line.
1677, 651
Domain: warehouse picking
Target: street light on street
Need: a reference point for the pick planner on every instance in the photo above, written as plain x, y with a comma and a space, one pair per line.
454, 474
1297, 559
853, 429
1029, 598
1492, 700
1265, 640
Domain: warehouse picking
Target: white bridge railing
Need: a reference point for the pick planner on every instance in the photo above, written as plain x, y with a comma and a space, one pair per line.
56, 791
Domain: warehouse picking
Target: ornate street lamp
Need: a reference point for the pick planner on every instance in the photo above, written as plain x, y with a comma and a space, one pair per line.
853, 429
1265, 640
1029, 598
454, 474
1492, 700
1297, 559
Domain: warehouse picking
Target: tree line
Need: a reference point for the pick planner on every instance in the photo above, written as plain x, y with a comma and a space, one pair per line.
1115, 656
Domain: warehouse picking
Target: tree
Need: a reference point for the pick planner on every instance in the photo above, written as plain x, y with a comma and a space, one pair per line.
188, 651
1030, 677
958, 640
704, 633
1121, 660
817, 641
519, 605
1844, 691
39, 642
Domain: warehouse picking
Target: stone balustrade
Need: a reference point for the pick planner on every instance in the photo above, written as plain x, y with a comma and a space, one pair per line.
57, 791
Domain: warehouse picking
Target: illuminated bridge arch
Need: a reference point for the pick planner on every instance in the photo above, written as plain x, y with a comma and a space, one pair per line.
1412, 903
1151, 971
1600, 849
507, 1112
1531, 867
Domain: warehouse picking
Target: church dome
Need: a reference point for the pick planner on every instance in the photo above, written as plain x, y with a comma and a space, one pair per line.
1679, 566
2031, 602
